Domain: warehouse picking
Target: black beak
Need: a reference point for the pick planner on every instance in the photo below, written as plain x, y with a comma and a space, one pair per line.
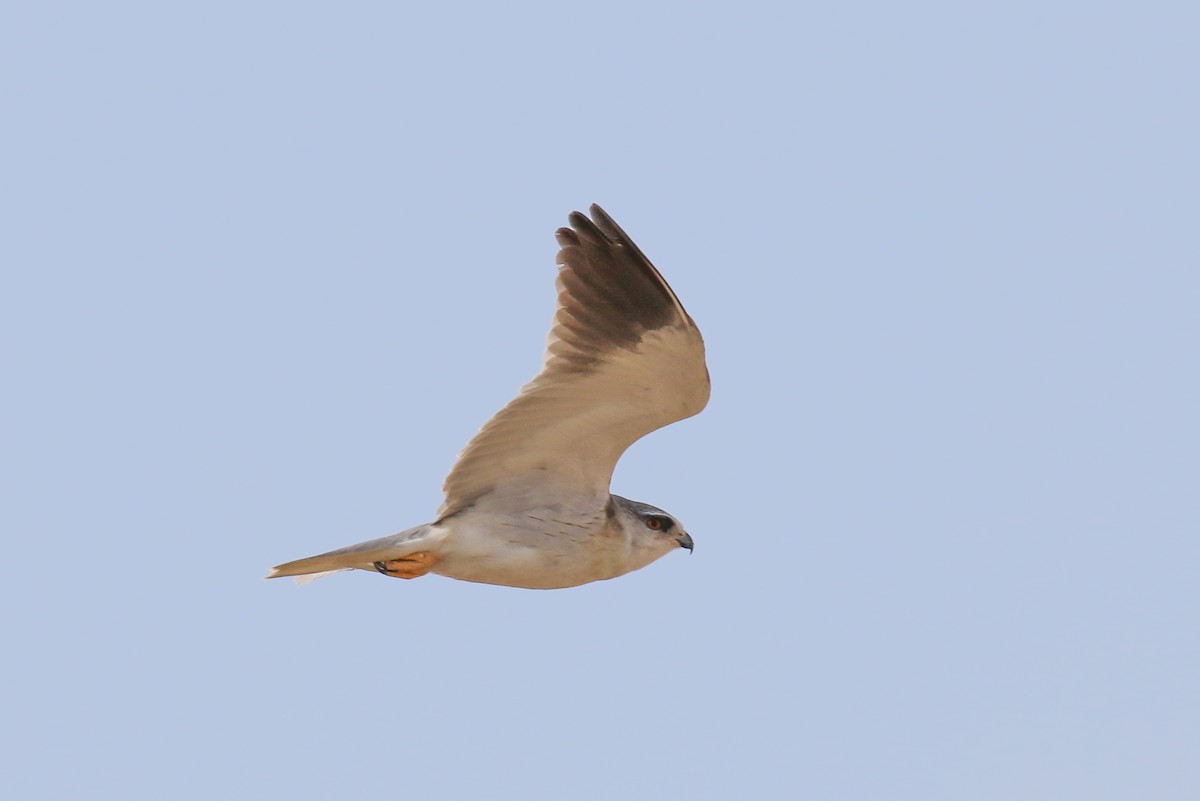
685, 541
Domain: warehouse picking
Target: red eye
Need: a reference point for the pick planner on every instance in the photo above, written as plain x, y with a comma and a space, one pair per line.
653, 523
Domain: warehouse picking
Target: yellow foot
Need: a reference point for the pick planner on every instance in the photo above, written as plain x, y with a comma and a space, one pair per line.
409, 567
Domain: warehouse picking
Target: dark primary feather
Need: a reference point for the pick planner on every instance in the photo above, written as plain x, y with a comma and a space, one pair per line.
610, 292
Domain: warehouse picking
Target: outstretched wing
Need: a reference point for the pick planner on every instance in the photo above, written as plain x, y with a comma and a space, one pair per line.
623, 359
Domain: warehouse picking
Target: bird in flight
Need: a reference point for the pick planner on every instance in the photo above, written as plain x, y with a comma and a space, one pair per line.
528, 503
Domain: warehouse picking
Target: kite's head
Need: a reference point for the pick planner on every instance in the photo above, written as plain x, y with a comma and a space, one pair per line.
649, 528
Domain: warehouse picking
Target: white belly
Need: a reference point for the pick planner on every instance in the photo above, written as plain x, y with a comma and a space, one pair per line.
539, 549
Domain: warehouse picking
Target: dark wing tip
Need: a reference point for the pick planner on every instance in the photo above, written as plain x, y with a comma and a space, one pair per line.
606, 225
600, 229
588, 230
605, 222
566, 237
610, 279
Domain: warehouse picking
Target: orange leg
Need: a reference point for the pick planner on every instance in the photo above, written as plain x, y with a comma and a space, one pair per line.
409, 567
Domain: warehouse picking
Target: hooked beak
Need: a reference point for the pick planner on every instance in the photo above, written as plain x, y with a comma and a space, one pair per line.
685, 541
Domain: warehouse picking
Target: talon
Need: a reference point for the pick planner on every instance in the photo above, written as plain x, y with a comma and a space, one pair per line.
407, 567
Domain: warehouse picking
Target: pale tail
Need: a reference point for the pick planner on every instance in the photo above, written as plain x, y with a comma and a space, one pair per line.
361, 556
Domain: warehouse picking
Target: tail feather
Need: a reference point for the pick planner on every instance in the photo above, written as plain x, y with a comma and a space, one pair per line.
361, 556
308, 578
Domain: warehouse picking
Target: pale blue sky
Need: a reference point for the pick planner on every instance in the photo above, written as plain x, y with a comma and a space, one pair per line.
267, 267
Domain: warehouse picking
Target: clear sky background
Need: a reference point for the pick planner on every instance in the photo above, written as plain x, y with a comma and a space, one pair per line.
268, 266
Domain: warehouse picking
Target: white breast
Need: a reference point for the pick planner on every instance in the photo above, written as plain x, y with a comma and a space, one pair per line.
543, 547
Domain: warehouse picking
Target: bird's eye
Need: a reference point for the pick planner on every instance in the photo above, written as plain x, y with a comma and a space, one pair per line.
654, 523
